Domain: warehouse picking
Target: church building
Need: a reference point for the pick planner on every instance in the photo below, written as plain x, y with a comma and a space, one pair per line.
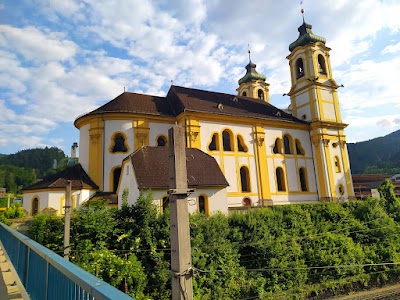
249, 152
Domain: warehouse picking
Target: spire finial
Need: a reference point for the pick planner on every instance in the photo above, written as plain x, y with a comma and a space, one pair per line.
248, 47
302, 10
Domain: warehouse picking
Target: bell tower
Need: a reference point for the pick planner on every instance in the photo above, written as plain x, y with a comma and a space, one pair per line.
313, 96
253, 84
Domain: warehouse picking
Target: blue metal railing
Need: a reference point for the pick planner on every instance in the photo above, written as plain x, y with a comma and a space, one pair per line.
47, 276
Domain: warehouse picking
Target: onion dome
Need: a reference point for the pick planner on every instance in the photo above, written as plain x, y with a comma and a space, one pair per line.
306, 37
251, 74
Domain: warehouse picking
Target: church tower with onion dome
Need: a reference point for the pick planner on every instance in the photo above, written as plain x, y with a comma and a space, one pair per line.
253, 84
314, 99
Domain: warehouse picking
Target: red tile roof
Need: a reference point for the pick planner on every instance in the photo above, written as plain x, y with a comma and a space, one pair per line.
188, 99
180, 99
79, 180
151, 167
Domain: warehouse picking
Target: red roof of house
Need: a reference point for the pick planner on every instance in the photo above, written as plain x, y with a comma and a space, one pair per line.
151, 167
76, 174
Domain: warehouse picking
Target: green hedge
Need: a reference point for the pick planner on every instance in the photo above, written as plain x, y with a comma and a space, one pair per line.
284, 252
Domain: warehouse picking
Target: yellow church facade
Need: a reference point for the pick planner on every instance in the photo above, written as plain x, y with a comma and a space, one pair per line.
268, 156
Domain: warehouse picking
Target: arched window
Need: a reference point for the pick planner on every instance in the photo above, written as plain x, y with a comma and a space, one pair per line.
321, 64
246, 201
260, 94
202, 207
280, 179
244, 179
287, 141
337, 164
164, 203
119, 143
299, 148
241, 145
244, 94
341, 189
161, 141
303, 180
35, 206
227, 140
214, 143
278, 146
299, 68
116, 174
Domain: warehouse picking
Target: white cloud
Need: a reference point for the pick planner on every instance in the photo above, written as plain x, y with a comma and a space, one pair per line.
36, 45
391, 48
384, 123
64, 66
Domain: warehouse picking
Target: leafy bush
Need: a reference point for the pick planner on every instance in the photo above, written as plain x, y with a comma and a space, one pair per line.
284, 252
15, 211
48, 230
124, 273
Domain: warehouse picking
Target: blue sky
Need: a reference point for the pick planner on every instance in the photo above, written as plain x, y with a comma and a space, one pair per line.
60, 59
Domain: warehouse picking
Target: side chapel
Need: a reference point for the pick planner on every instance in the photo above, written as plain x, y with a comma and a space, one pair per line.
241, 150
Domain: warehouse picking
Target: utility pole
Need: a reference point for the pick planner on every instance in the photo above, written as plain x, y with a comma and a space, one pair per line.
181, 258
67, 219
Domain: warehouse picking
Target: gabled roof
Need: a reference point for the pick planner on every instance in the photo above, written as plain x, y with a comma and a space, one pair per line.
79, 180
135, 103
151, 168
180, 99
188, 99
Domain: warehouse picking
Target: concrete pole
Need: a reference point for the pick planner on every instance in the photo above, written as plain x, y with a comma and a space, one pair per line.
67, 220
181, 259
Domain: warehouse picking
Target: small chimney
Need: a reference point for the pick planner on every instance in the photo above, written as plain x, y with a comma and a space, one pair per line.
73, 149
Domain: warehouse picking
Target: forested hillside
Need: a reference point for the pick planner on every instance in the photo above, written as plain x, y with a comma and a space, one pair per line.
379, 155
25, 167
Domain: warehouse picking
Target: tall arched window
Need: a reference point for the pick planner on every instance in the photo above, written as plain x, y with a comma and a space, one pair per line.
321, 64
299, 147
161, 141
287, 144
244, 179
337, 164
303, 179
116, 175
214, 143
227, 140
119, 143
299, 68
278, 146
35, 206
260, 94
244, 94
280, 179
241, 145
202, 207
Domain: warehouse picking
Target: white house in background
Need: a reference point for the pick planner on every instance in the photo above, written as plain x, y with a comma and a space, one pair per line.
146, 170
48, 195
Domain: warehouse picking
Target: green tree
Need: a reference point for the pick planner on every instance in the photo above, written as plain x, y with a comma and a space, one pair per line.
125, 273
48, 230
